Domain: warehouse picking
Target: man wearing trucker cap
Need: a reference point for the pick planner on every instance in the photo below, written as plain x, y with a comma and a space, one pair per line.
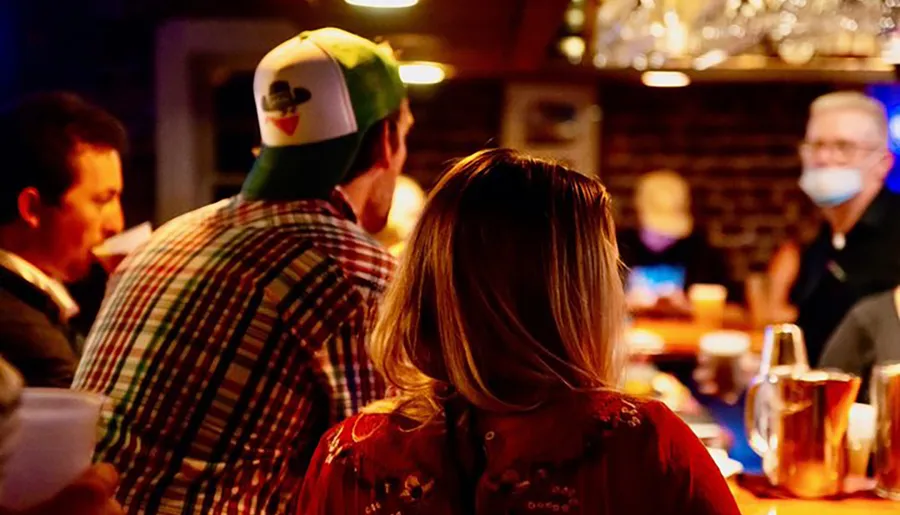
236, 336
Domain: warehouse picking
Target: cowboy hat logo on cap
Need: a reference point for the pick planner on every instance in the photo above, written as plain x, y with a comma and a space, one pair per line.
284, 99
312, 134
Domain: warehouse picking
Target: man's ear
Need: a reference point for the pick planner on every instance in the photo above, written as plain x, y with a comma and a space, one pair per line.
384, 148
888, 165
29, 204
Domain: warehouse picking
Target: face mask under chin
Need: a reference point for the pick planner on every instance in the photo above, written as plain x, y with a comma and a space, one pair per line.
831, 186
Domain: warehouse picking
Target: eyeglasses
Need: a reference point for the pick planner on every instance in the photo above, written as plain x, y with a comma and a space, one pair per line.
841, 149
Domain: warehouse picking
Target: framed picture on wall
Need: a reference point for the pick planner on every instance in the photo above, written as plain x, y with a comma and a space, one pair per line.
556, 121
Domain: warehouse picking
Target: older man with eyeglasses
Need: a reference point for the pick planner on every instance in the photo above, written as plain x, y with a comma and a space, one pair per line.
845, 159
855, 258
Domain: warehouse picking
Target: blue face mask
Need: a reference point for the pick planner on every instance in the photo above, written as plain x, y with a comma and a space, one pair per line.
831, 186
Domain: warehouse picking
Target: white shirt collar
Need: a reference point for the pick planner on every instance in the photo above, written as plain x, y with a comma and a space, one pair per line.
53, 288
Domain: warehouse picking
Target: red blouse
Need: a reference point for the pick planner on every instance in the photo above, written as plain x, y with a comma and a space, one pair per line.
600, 453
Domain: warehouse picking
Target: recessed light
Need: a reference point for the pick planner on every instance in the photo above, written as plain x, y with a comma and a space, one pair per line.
422, 72
383, 4
658, 79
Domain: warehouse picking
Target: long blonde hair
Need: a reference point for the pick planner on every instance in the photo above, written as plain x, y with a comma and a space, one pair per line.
508, 292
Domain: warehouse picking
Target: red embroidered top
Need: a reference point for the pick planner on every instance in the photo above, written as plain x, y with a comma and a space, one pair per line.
600, 453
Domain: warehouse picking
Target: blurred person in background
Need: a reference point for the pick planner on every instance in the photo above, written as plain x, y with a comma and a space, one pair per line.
234, 338
667, 254
62, 180
856, 253
869, 335
409, 198
506, 396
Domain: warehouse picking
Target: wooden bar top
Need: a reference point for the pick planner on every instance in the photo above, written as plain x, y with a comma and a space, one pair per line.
862, 505
682, 336
862, 501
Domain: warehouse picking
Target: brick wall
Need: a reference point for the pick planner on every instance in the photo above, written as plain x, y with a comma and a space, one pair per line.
452, 121
736, 145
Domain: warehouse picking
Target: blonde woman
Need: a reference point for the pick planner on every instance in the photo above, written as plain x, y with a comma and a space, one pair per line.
499, 335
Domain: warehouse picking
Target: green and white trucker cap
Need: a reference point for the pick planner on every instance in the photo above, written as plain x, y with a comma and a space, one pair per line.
316, 96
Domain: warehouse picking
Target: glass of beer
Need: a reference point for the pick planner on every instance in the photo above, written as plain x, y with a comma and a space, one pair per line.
885, 394
803, 442
722, 354
784, 350
708, 304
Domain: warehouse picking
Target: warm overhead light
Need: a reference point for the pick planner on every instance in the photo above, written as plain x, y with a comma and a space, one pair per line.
710, 59
422, 72
573, 47
659, 79
383, 4
575, 18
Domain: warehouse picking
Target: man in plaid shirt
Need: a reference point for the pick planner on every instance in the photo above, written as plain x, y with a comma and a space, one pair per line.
232, 340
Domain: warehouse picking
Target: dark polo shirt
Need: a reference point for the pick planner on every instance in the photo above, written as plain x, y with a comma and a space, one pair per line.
832, 280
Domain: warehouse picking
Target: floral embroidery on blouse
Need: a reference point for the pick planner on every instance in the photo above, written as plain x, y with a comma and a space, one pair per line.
414, 490
536, 487
616, 411
335, 447
361, 432
544, 490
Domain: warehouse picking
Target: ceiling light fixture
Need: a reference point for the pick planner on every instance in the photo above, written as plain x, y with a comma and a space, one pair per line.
710, 59
658, 79
383, 4
573, 47
422, 72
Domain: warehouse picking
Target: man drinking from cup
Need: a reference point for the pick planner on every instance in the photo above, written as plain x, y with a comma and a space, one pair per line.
62, 178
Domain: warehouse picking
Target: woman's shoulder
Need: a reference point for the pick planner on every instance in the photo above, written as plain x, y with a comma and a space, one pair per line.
633, 426
621, 411
375, 462
364, 428
387, 435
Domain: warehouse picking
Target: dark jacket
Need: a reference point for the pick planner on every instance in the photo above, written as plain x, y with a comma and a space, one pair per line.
866, 337
701, 262
33, 336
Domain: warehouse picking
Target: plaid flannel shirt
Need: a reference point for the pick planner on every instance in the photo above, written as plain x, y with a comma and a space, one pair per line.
228, 345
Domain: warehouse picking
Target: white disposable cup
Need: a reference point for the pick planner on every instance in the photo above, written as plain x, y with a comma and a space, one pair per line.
860, 438
55, 443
